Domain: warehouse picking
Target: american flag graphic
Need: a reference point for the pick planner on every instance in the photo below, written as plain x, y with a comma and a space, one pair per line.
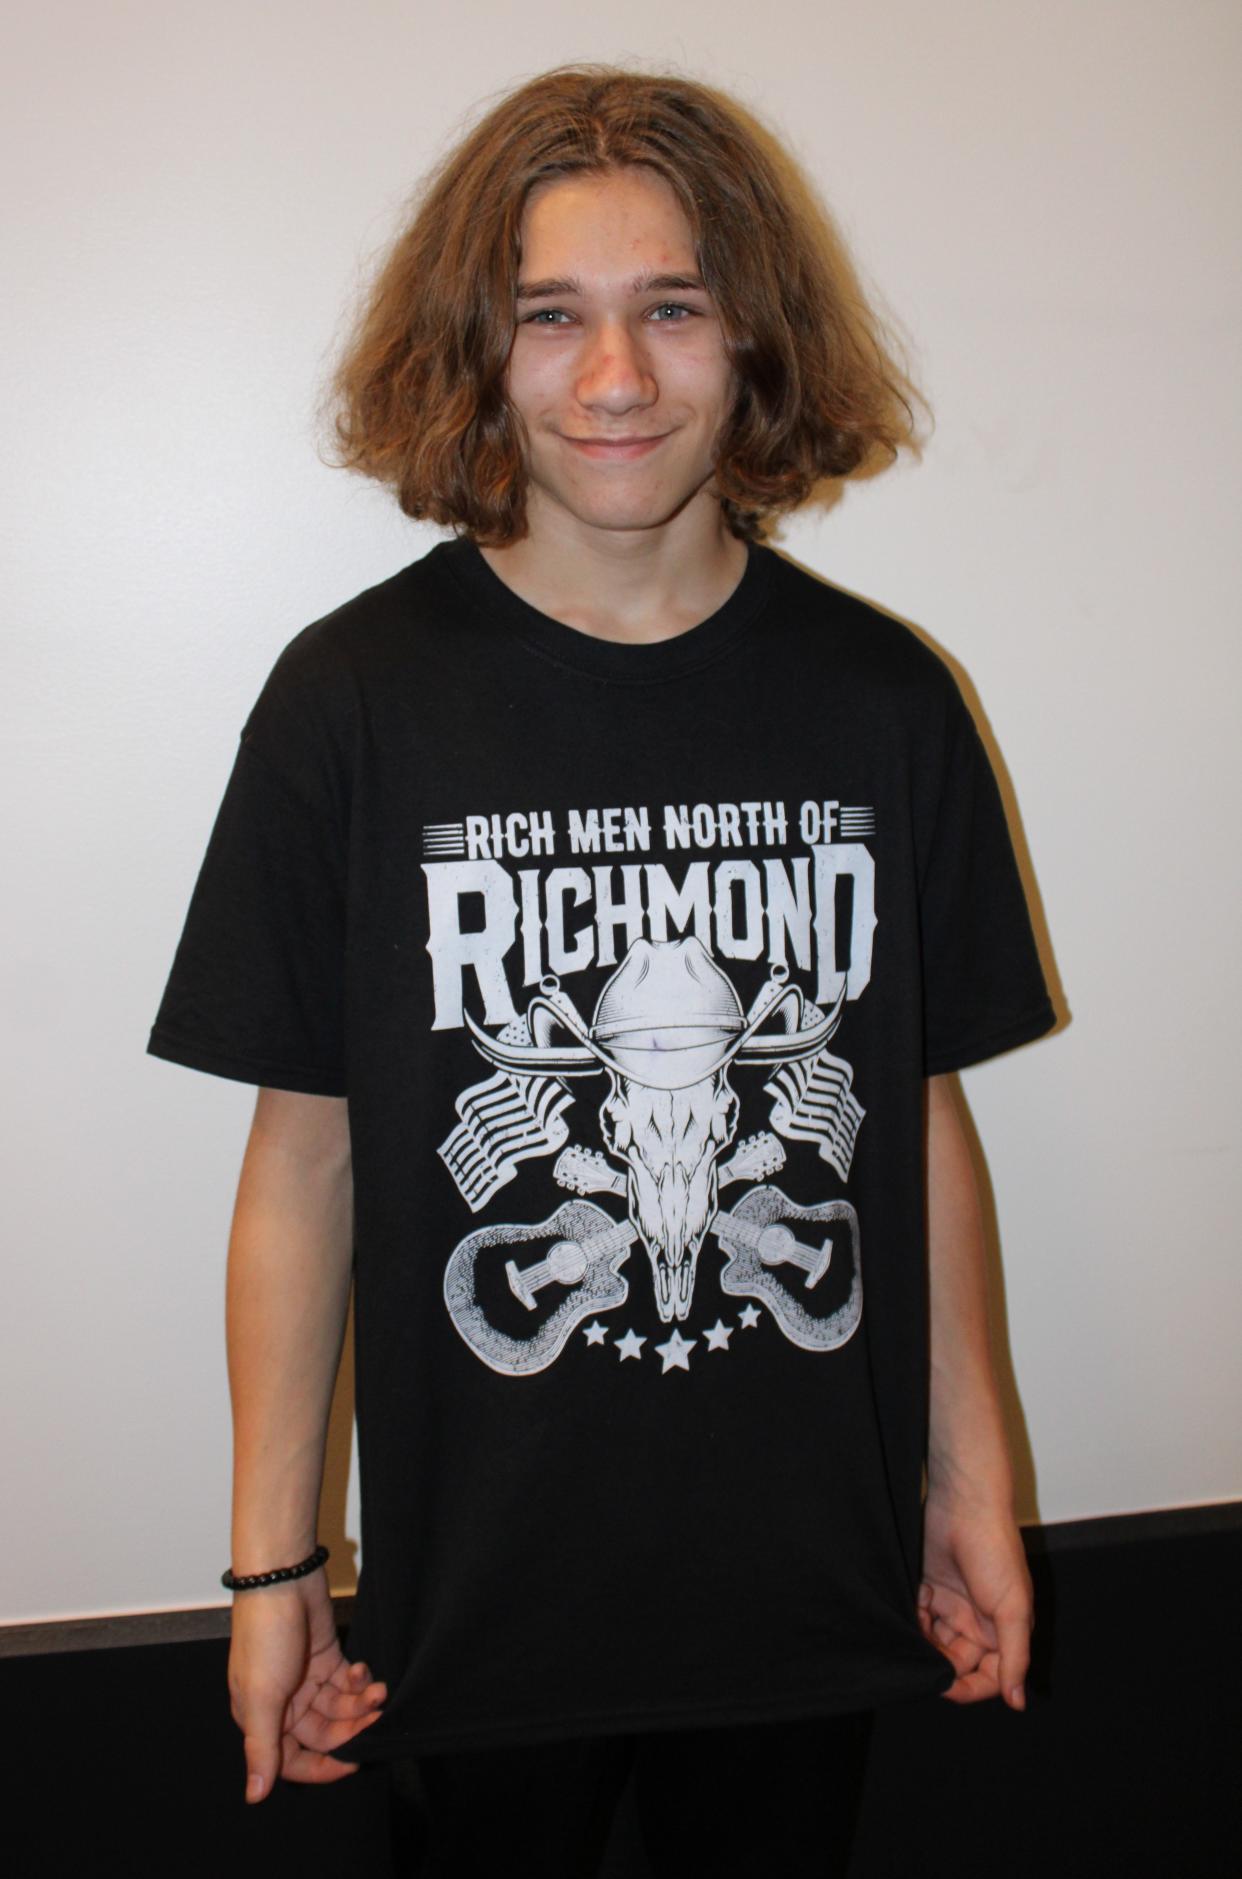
812, 1101
503, 1121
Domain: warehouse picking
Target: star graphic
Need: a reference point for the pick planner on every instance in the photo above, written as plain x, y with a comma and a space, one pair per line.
629, 1345
749, 1318
717, 1339
595, 1332
676, 1352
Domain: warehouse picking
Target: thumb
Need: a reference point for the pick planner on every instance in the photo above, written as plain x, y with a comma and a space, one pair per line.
1013, 1637
262, 1746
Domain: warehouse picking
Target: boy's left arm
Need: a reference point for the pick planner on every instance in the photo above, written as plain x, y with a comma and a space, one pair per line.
975, 1601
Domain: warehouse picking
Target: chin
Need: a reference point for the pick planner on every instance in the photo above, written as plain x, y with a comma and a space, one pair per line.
620, 512
624, 519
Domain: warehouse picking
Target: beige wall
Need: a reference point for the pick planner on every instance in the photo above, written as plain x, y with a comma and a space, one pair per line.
1048, 197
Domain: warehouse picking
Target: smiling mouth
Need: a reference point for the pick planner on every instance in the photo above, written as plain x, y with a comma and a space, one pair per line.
623, 447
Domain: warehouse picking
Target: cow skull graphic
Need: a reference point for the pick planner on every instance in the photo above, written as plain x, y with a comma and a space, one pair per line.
669, 1141
667, 1026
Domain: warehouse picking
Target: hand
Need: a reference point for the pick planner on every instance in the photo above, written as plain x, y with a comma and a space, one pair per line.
294, 1694
976, 1602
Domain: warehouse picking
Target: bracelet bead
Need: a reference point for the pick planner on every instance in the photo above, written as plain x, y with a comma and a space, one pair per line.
244, 1583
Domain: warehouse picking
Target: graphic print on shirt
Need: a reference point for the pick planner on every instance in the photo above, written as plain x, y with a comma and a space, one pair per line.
677, 1059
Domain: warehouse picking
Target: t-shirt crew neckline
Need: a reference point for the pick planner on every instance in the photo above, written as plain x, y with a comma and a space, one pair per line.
620, 660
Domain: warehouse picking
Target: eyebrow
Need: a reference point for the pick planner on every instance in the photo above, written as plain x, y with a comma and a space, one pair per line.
642, 284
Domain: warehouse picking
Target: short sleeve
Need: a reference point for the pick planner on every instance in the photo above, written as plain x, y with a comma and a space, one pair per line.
256, 990
984, 989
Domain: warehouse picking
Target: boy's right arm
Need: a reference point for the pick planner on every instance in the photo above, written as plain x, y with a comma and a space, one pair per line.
294, 1695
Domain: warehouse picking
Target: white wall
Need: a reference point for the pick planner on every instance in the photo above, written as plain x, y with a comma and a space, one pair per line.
1048, 197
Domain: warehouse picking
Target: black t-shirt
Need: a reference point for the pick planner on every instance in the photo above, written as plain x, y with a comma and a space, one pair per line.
631, 961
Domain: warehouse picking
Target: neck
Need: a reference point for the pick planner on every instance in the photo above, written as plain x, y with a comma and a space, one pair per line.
637, 585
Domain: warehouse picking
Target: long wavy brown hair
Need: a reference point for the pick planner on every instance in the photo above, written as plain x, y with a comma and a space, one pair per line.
418, 401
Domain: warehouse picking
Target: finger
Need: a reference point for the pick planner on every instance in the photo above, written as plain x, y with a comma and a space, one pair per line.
350, 1702
963, 1652
316, 1731
330, 1701
309, 1765
347, 1676
977, 1682
332, 1697
947, 1601
955, 1635
975, 1687
964, 1617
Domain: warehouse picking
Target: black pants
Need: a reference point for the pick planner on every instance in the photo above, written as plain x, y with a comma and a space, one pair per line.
778, 1800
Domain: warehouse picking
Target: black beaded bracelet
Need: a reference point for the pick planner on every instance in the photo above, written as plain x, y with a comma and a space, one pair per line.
249, 1579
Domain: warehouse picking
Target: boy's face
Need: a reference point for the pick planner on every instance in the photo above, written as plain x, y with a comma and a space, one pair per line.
623, 392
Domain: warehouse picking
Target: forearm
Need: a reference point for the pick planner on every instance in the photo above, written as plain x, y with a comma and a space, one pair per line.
968, 1456
287, 1299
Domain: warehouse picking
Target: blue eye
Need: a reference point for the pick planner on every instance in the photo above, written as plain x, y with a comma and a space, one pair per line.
555, 315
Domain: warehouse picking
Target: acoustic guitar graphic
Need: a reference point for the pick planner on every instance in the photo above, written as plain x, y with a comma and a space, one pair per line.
588, 1249
757, 1239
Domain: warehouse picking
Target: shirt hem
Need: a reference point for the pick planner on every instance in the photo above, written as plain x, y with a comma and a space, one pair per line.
1022, 1031
627, 1722
261, 1071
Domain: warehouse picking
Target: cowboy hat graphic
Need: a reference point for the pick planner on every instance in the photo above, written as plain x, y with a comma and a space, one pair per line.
667, 1018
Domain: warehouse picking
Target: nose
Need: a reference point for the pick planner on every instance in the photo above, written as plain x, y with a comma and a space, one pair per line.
615, 373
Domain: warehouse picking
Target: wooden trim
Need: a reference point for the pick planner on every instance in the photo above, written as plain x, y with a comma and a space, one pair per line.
1158, 1523
105, 1633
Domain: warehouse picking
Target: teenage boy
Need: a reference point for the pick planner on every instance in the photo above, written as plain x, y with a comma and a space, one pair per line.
602, 905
